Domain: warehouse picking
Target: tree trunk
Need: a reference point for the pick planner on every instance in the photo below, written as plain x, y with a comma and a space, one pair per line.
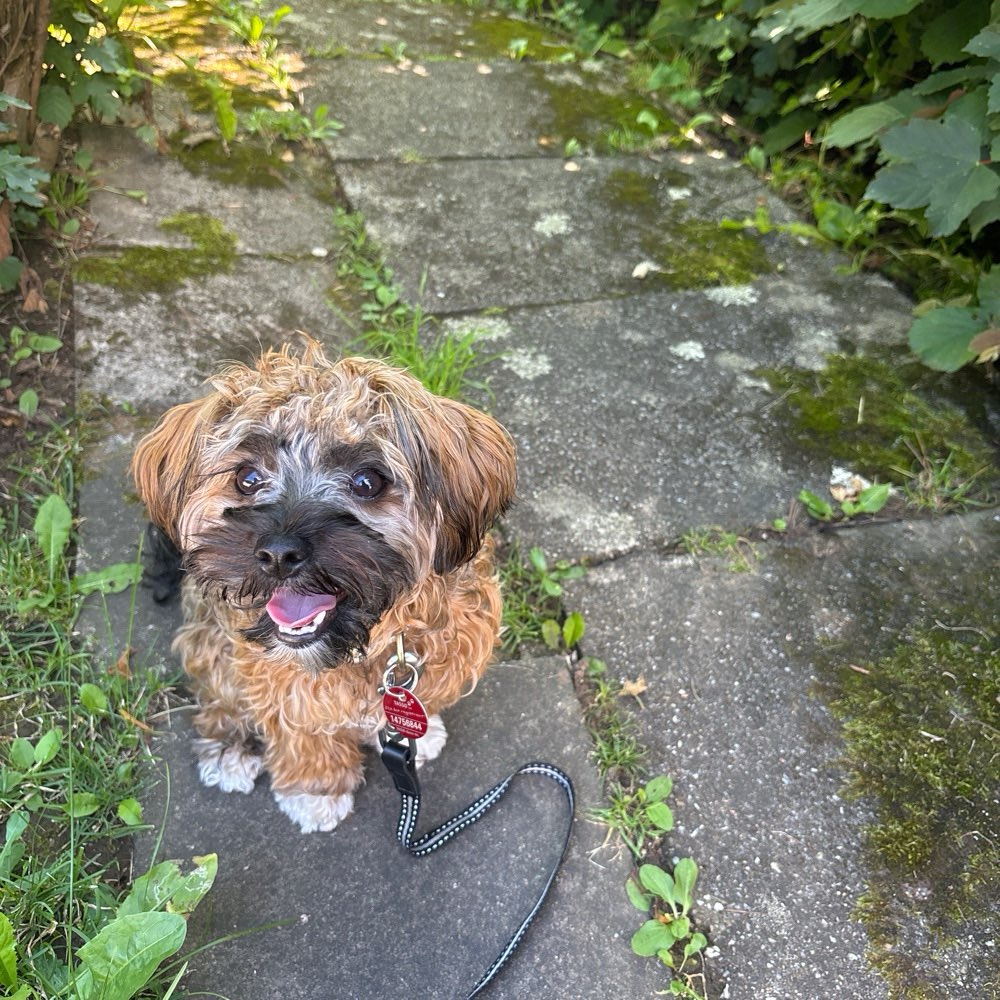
24, 30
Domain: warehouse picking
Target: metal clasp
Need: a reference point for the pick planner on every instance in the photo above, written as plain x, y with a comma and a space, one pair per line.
410, 662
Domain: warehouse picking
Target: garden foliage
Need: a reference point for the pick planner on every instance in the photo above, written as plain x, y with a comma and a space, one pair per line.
900, 98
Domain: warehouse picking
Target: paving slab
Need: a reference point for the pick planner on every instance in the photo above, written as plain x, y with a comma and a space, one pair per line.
435, 110
501, 233
364, 919
269, 211
734, 713
156, 348
640, 418
418, 31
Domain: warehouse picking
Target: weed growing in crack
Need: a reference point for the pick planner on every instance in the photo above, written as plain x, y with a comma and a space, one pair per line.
716, 541
532, 610
400, 333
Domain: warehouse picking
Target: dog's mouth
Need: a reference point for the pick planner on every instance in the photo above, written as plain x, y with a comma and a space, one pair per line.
299, 618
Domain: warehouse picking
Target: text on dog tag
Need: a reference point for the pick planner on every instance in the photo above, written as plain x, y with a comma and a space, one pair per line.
404, 712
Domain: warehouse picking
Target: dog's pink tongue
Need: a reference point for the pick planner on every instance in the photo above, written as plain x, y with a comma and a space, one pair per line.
295, 610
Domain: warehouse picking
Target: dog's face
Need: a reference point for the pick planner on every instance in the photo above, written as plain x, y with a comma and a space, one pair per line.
310, 496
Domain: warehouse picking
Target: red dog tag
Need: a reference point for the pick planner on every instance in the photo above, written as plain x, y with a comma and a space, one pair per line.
404, 712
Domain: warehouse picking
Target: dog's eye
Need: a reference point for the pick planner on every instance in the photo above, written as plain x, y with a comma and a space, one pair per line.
367, 484
249, 479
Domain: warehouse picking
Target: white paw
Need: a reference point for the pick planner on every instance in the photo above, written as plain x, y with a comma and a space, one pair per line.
314, 812
228, 768
430, 745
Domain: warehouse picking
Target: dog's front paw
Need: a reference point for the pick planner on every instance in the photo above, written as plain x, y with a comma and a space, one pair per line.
228, 768
430, 745
314, 812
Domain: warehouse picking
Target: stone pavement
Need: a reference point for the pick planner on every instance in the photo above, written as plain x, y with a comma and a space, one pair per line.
640, 413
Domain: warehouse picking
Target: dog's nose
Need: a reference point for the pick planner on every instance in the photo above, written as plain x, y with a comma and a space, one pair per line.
282, 555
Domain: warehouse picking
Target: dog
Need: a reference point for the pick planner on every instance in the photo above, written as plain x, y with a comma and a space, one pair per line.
322, 510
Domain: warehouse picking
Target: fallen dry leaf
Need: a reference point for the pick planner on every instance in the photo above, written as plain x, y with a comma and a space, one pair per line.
632, 689
31, 292
122, 667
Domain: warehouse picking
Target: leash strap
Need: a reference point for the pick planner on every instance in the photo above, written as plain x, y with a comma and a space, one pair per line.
400, 761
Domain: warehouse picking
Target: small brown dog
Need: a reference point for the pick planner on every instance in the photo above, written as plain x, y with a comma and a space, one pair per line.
322, 510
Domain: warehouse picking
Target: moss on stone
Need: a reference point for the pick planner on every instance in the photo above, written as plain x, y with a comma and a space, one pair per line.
493, 36
599, 117
922, 731
884, 415
156, 269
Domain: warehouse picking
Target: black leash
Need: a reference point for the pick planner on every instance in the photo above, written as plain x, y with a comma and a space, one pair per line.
400, 759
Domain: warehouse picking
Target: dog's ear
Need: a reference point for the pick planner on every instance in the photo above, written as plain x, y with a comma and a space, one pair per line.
470, 475
165, 461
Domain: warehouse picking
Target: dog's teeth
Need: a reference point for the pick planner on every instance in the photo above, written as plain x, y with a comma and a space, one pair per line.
306, 629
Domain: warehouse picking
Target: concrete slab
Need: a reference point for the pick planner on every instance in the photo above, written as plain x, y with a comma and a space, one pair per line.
365, 920
733, 713
157, 348
640, 418
436, 110
418, 31
483, 234
270, 207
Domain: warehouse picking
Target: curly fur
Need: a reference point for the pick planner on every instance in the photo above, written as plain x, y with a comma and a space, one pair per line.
343, 480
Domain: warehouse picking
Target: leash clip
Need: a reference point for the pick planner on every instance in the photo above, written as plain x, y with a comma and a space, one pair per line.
393, 688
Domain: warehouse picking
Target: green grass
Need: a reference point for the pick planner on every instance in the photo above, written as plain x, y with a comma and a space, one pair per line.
445, 362
71, 740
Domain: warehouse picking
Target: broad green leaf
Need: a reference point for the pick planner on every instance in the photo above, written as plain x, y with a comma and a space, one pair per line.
165, 886
862, 123
870, 500
27, 403
17, 823
122, 957
41, 343
697, 942
10, 272
652, 937
918, 138
54, 105
639, 899
986, 43
573, 629
685, 876
945, 36
660, 815
657, 881
22, 753
815, 505
681, 927
195, 884
948, 80
659, 788
988, 291
939, 171
110, 580
941, 337
48, 746
835, 220
551, 633
8, 956
93, 699
82, 804
130, 812
10, 858
52, 526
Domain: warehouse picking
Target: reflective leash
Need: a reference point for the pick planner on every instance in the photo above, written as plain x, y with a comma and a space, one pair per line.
398, 749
